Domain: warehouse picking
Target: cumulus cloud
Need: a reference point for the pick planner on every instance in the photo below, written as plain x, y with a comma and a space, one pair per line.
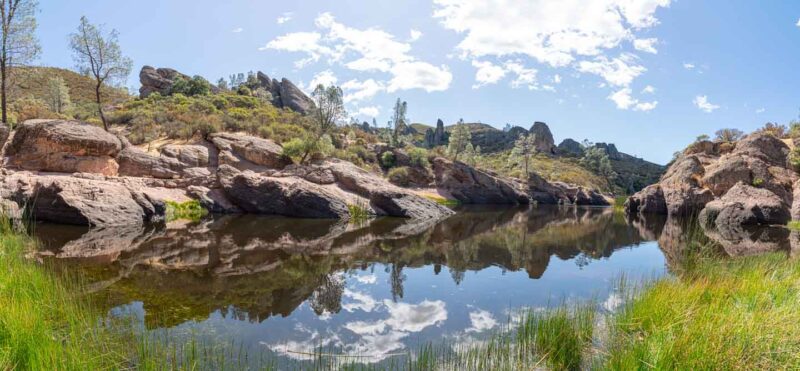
356, 90
688, 66
487, 73
326, 78
369, 111
415, 317
237, 30
365, 50
649, 89
369, 279
646, 45
414, 35
480, 321
619, 71
286, 17
798, 23
360, 301
701, 102
624, 101
761, 110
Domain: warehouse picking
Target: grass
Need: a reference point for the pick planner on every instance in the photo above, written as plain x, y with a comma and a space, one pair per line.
442, 201
619, 203
794, 225
189, 210
42, 325
359, 212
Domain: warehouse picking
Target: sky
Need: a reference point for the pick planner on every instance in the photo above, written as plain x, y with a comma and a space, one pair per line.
647, 75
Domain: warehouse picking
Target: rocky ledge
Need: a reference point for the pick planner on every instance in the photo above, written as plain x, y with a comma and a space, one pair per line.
76, 173
746, 183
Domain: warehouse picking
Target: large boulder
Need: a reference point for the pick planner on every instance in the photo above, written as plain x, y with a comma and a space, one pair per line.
243, 151
63, 146
288, 196
745, 205
294, 98
80, 201
647, 201
544, 138
473, 186
569, 147
157, 80
173, 161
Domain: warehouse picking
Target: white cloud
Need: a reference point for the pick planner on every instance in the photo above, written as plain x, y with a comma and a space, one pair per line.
701, 102
326, 78
557, 79
487, 73
370, 111
369, 279
480, 321
551, 32
414, 35
237, 30
798, 23
620, 71
419, 75
525, 76
365, 50
646, 45
415, 317
649, 89
688, 66
624, 101
286, 17
761, 110
361, 301
613, 302
361, 90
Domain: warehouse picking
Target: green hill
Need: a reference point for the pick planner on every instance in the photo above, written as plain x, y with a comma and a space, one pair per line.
32, 82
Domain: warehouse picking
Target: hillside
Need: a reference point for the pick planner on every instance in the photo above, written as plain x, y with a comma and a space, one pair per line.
560, 163
33, 82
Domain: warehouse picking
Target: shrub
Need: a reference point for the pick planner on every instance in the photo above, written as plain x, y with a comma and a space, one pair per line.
244, 90
399, 176
189, 210
418, 157
387, 159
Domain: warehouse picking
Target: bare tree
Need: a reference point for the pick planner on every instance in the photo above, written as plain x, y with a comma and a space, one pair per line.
19, 43
97, 54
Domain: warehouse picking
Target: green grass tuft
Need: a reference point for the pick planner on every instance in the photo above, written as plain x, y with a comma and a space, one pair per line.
189, 210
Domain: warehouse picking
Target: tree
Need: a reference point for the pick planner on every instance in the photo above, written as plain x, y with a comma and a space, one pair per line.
19, 45
776, 130
397, 125
596, 159
524, 149
222, 84
327, 114
98, 55
459, 138
728, 135
472, 154
57, 95
702, 137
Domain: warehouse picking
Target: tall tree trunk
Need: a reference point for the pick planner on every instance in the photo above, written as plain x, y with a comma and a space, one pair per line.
100, 106
3, 102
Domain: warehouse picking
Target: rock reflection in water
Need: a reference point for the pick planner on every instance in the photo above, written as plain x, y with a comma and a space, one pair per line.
260, 267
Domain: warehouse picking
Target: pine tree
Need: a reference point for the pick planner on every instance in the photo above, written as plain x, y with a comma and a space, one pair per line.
459, 138
57, 95
524, 149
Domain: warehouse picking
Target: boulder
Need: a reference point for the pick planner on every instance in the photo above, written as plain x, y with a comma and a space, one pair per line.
288, 196
63, 146
294, 98
745, 205
81, 201
242, 151
472, 186
136, 162
157, 80
214, 200
647, 201
190, 155
545, 193
569, 147
544, 138
4, 134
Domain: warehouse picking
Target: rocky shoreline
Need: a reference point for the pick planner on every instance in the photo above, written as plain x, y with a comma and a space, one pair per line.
76, 173
727, 185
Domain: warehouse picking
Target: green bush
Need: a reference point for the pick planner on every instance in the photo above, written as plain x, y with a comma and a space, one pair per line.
418, 156
399, 176
387, 160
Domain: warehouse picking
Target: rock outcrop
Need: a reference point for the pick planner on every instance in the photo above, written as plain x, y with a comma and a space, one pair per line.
746, 183
285, 94
569, 147
473, 186
63, 146
245, 152
157, 80
544, 138
436, 137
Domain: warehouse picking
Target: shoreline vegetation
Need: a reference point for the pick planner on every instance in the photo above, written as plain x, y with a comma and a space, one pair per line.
713, 312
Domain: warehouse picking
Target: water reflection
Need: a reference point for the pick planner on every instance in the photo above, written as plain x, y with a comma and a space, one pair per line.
288, 284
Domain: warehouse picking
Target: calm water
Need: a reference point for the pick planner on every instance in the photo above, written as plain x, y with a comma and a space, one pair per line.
379, 289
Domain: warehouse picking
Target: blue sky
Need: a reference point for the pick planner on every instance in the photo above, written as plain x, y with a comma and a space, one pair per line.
648, 75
